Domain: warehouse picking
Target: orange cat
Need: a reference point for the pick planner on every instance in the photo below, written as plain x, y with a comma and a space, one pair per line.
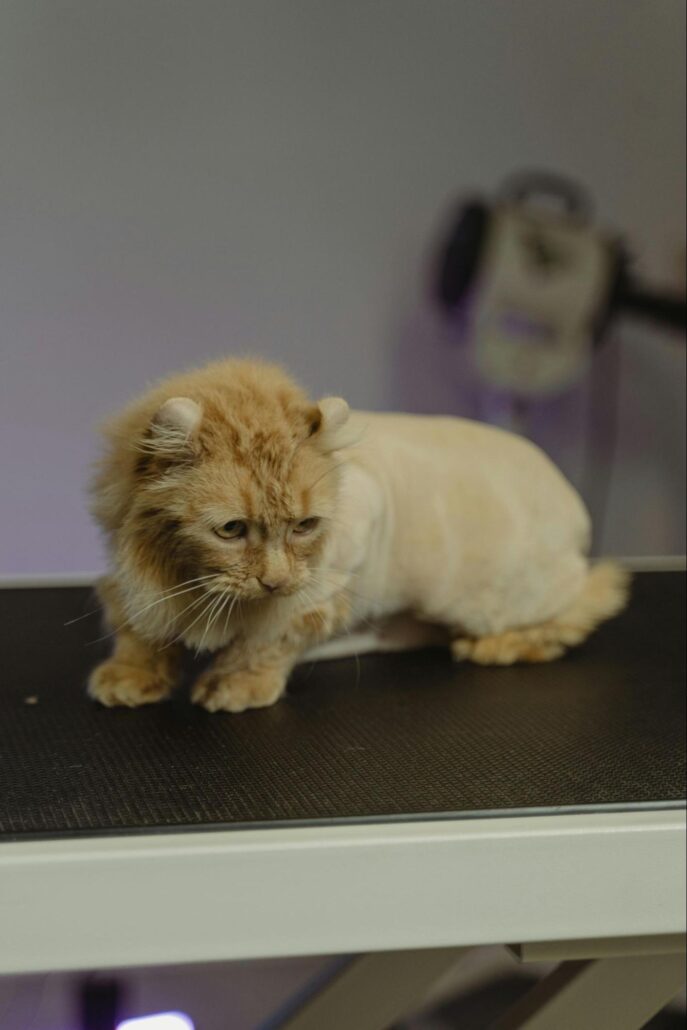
245, 520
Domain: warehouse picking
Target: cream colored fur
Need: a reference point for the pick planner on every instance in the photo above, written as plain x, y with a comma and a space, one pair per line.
468, 531
471, 528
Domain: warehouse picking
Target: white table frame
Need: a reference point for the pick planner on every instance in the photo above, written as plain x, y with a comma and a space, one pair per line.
205, 896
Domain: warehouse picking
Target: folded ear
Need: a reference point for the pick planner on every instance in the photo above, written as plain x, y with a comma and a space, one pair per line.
334, 412
328, 420
174, 426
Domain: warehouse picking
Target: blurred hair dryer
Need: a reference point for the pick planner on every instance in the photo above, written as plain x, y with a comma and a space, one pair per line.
541, 283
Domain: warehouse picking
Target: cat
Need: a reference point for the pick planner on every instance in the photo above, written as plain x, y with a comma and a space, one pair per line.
245, 520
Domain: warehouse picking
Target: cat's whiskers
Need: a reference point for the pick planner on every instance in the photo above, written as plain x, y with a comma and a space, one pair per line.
315, 605
227, 616
344, 588
204, 611
86, 615
209, 615
175, 618
361, 620
171, 592
205, 597
229, 601
168, 592
216, 611
347, 633
331, 579
166, 597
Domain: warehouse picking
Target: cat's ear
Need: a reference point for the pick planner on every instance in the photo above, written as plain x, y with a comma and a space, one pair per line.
173, 427
327, 423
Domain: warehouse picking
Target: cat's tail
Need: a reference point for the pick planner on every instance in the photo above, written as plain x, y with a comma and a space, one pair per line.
604, 594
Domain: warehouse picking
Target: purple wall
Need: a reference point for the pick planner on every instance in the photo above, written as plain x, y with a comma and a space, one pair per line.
180, 181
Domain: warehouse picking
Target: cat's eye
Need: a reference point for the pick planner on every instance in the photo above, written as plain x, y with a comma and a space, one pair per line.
233, 530
306, 526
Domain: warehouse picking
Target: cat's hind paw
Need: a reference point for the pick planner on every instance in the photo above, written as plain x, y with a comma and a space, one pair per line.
114, 683
507, 648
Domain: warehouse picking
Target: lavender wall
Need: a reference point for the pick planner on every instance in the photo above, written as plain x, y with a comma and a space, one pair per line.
183, 180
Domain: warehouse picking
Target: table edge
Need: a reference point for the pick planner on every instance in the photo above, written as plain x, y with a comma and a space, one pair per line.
155, 900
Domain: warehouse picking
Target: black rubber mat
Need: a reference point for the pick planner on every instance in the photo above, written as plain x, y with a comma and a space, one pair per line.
403, 735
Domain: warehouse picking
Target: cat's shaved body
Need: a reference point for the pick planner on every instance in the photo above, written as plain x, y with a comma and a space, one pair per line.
246, 520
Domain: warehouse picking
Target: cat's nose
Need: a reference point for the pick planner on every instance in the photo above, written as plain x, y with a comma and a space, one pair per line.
271, 585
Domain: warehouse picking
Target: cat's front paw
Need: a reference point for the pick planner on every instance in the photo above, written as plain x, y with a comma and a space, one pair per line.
237, 691
113, 683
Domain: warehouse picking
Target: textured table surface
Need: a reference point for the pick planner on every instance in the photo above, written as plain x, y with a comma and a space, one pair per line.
402, 736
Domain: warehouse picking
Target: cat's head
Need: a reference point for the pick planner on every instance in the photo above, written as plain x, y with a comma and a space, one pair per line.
231, 491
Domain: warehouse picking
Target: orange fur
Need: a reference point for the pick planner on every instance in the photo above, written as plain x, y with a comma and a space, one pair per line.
237, 440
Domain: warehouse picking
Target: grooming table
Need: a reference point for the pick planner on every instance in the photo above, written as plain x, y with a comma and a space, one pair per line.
388, 803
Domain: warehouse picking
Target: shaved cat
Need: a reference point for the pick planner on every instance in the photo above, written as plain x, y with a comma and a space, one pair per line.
246, 520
